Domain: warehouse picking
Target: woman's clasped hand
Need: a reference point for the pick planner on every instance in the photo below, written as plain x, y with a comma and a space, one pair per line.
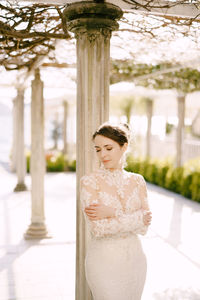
99, 211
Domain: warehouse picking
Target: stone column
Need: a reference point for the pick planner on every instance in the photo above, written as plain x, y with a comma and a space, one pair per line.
19, 142
92, 24
180, 130
65, 111
13, 162
37, 228
149, 106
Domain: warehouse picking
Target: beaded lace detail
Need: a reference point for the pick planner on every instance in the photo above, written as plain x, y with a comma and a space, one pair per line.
124, 191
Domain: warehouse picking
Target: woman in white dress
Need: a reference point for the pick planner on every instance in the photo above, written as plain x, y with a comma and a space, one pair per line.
115, 206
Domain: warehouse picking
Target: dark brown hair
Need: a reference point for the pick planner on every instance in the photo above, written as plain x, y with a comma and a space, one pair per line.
118, 133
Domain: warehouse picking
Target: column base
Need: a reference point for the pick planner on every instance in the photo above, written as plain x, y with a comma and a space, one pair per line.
37, 231
20, 187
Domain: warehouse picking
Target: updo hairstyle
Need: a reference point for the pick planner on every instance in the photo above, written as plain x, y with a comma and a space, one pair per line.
118, 133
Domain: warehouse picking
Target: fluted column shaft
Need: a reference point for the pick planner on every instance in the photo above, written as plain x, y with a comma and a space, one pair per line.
149, 106
180, 130
93, 24
65, 113
19, 142
37, 229
92, 110
14, 137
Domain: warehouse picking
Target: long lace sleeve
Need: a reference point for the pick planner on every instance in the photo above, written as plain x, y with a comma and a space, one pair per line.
122, 224
134, 221
89, 195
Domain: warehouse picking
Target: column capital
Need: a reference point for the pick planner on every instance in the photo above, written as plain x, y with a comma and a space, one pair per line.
93, 34
37, 74
89, 17
181, 96
20, 92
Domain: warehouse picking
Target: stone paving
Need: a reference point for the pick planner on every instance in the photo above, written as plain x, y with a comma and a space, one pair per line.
45, 270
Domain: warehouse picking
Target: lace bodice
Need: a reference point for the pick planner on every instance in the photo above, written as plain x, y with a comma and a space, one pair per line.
124, 191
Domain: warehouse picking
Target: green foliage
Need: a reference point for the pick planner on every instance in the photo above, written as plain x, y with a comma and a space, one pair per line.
55, 162
28, 158
184, 180
72, 165
195, 186
174, 179
163, 167
191, 180
186, 185
169, 127
184, 80
150, 171
127, 70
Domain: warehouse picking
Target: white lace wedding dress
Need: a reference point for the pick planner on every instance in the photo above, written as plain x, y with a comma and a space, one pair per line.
115, 264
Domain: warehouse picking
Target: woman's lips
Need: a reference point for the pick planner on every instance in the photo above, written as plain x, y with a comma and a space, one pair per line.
105, 161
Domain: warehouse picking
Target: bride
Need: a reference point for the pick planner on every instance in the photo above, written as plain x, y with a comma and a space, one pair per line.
116, 210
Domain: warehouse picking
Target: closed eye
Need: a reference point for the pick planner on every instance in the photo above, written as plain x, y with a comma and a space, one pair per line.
108, 149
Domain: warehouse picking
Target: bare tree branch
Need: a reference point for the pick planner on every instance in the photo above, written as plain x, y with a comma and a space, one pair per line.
26, 30
31, 30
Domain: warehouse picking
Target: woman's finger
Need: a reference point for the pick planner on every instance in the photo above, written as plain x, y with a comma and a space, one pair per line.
91, 213
90, 209
94, 206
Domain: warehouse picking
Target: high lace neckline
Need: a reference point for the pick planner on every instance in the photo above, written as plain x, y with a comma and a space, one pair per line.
113, 172
117, 178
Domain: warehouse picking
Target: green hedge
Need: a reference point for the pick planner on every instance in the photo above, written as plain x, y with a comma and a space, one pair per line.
184, 180
55, 162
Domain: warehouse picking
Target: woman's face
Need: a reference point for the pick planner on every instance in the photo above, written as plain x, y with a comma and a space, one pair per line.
109, 152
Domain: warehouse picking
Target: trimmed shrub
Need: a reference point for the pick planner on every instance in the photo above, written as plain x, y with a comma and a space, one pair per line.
132, 165
143, 168
186, 185
162, 169
174, 179
184, 180
72, 165
55, 162
151, 172
195, 186
28, 158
